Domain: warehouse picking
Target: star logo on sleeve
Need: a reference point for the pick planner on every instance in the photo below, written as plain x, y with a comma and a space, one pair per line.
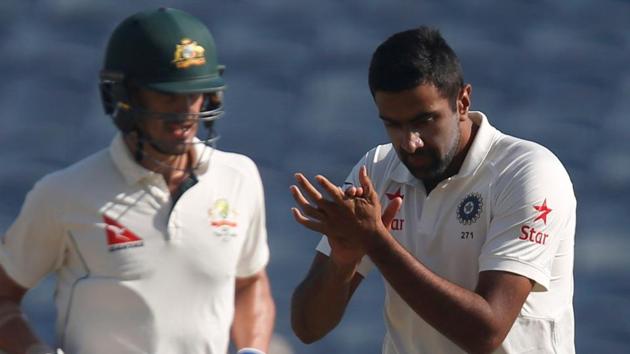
392, 196
543, 211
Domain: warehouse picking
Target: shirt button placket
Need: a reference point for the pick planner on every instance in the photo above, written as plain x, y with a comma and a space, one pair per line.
174, 225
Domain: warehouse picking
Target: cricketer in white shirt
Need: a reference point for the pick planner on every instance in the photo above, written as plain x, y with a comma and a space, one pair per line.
135, 273
511, 208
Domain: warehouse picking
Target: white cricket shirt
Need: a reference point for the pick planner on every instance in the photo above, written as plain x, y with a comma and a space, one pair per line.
511, 208
135, 273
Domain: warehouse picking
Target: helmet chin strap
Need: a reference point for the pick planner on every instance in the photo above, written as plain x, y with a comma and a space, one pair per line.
142, 138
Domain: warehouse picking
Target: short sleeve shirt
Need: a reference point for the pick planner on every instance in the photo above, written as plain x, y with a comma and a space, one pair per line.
138, 273
511, 207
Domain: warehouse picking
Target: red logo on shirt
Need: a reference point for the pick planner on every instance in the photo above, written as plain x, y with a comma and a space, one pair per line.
391, 196
543, 211
397, 224
118, 236
532, 235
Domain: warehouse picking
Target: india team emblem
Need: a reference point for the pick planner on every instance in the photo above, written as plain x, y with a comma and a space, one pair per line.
222, 219
470, 209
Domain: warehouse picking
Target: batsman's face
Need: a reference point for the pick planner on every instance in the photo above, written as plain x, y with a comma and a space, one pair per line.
173, 125
422, 127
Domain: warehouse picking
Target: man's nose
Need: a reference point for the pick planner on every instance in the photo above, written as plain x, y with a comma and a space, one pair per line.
411, 141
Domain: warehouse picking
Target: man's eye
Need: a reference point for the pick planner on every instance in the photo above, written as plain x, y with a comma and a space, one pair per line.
424, 121
427, 119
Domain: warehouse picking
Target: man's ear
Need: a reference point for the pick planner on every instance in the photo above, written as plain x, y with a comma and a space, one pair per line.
464, 100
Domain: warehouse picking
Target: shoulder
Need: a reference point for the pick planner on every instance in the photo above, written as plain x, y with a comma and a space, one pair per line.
78, 173
381, 163
380, 160
380, 155
527, 170
512, 155
233, 163
63, 185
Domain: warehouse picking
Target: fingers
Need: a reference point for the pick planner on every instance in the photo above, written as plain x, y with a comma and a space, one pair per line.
332, 190
306, 222
353, 192
309, 189
390, 211
304, 204
366, 183
335, 192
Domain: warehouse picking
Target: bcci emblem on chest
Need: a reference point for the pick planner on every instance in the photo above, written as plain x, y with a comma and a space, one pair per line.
469, 209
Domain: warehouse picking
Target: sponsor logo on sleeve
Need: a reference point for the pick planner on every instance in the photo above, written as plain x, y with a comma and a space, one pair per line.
543, 211
120, 237
530, 233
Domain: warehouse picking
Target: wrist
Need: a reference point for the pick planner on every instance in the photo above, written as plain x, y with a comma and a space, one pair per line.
250, 351
377, 240
343, 270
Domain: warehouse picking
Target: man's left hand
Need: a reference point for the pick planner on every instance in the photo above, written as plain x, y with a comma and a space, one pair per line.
349, 217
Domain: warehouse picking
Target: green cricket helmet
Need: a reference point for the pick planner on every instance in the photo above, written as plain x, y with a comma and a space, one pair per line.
165, 50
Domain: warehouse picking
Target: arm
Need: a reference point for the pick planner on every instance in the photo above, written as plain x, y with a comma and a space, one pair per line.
16, 336
477, 321
254, 312
319, 302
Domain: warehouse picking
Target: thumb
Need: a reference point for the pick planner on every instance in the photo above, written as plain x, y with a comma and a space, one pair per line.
390, 211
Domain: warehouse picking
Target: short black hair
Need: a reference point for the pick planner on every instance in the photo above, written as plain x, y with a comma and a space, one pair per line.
415, 57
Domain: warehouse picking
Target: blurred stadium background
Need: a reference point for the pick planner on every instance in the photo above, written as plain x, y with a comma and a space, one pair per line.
554, 72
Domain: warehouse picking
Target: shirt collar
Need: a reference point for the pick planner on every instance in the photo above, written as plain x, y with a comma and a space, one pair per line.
481, 144
134, 172
401, 174
476, 154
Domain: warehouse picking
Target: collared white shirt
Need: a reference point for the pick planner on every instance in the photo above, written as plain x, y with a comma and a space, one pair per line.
510, 208
137, 274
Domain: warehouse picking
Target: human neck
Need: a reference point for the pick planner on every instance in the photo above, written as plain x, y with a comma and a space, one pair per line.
174, 168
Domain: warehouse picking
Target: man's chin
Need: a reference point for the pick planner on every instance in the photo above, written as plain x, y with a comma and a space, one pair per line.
424, 172
174, 149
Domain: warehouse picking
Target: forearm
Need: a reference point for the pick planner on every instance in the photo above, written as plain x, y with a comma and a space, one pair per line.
460, 314
319, 302
16, 336
254, 315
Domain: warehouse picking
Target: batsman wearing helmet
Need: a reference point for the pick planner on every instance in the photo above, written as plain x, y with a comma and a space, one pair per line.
159, 241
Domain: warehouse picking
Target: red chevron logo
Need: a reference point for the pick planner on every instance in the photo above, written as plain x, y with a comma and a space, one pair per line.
118, 236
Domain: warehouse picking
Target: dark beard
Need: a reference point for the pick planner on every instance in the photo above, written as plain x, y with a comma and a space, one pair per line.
168, 149
439, 165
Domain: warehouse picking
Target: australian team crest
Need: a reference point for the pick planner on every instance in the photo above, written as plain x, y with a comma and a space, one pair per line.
188, 53
470, 209
223, 219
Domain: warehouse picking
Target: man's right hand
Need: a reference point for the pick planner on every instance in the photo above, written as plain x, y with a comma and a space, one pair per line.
347, 255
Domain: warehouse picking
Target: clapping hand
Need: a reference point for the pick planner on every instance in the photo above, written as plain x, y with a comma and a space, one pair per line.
351, 219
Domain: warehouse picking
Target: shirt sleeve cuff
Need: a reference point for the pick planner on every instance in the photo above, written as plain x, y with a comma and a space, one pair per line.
256, 266
519, 267
250, 351
365, 266
12, 272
